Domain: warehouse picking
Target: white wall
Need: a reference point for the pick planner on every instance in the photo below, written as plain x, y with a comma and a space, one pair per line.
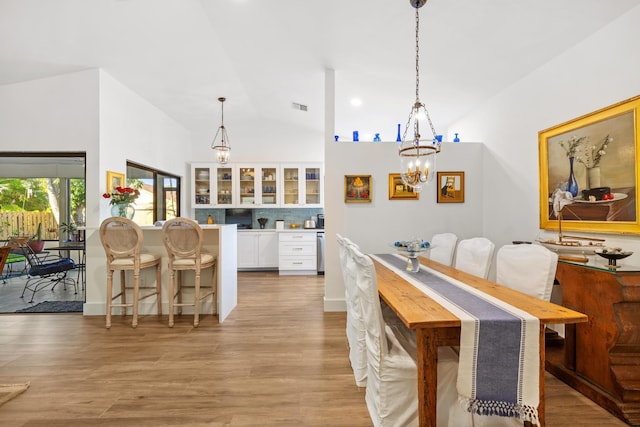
598, 72
132, 129
376, 225
54, 114
90, 111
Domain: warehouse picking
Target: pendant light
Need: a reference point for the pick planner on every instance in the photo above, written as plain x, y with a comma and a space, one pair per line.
418, 153
222, 149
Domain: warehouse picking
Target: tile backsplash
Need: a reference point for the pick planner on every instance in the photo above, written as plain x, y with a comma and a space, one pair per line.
289, 215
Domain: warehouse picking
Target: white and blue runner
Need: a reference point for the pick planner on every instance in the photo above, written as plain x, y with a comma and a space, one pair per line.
498, 373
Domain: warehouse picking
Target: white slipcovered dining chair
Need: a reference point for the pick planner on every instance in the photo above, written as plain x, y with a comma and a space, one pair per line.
527, 268
122, 242
392, 389
355, 324
474, 256
183, 239
443, 246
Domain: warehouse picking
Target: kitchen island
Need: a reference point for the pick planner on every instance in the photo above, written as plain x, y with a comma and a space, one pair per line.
220, 240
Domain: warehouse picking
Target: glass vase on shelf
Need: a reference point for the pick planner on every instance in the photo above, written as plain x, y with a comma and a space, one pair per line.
125, 210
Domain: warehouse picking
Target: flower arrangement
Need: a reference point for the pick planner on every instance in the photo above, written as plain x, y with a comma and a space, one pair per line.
592, 155
122, 195
572, 147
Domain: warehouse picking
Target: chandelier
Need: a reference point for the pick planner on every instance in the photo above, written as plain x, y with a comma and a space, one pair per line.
418, 154
222, 148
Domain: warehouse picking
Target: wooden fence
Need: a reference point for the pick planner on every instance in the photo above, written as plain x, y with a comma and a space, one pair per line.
26, 224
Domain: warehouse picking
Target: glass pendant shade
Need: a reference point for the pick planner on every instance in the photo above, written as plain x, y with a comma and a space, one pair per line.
222, 148
418, 155
417, 163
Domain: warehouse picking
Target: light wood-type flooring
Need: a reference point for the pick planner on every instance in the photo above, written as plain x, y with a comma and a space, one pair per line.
278, 360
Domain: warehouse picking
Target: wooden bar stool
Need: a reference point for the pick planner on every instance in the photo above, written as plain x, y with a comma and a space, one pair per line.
122, 242
183, 239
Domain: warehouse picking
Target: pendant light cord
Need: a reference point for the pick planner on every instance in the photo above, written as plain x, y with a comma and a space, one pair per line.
417, 105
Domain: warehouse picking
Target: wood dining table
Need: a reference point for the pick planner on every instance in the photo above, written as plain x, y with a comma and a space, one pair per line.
435, 326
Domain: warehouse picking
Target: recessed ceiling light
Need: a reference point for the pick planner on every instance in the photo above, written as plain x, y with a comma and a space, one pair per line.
356, 102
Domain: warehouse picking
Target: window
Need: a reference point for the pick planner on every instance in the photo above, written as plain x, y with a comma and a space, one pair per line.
41, 190
159, 194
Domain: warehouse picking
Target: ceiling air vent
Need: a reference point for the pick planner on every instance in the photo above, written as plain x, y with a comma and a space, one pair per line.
299, 106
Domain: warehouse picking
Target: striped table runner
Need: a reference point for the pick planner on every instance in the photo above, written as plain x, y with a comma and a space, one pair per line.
498, 373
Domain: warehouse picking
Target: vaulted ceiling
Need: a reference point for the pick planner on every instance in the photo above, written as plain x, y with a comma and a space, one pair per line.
265, 55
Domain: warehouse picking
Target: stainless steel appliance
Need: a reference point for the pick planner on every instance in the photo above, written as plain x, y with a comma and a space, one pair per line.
320, 251
309, 223
320, 221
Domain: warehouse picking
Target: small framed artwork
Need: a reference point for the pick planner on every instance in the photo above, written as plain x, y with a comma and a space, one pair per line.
114, 179
398, 190
450, 187
357, 189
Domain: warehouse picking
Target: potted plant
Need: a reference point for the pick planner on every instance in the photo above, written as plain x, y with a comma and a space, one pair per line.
68, 229
36, 243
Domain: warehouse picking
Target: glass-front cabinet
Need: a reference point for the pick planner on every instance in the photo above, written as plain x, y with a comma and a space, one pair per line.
312, 186
247, 187
224, 186
269, 186
290, 186
302, 185
212, 185
201, 189
258, 184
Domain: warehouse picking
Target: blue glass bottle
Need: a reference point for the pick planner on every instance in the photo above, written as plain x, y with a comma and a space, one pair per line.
572, 184
456, 139
398, 138
376, 138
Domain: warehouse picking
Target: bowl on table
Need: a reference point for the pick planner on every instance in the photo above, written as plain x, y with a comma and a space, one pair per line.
613, 254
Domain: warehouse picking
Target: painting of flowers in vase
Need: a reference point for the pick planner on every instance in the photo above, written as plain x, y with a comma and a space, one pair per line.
588, 173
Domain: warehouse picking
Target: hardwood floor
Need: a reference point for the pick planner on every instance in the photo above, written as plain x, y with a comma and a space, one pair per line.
278, 360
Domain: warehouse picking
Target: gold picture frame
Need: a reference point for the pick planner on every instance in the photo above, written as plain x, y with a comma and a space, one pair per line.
398, 190
450, 187
357, 189
599, 153
114, 179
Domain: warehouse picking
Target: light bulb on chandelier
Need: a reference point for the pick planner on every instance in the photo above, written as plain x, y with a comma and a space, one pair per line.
222, 149
417, 154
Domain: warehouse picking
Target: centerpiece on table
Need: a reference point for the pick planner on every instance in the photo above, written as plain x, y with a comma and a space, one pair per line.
412, 248
121, 201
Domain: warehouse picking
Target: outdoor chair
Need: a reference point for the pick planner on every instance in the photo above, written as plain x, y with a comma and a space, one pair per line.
44, 272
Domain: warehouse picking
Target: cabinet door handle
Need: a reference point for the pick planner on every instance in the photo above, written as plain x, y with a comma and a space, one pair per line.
297, 263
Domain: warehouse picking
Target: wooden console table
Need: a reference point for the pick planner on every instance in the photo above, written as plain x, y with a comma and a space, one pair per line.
601, 358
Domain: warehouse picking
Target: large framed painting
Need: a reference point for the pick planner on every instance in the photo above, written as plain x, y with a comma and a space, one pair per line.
589, 171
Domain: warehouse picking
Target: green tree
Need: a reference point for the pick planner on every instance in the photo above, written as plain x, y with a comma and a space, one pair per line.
18, 194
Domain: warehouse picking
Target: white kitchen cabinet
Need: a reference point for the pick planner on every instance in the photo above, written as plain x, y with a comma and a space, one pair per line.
257, 249
302, 185
257, 185
297, 253
201, 185
224, 186
212, 185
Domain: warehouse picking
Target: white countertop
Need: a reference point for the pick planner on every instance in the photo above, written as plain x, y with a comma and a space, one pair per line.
285, 230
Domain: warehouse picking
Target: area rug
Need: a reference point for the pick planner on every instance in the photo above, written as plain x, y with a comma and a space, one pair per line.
9, 391
54, 307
